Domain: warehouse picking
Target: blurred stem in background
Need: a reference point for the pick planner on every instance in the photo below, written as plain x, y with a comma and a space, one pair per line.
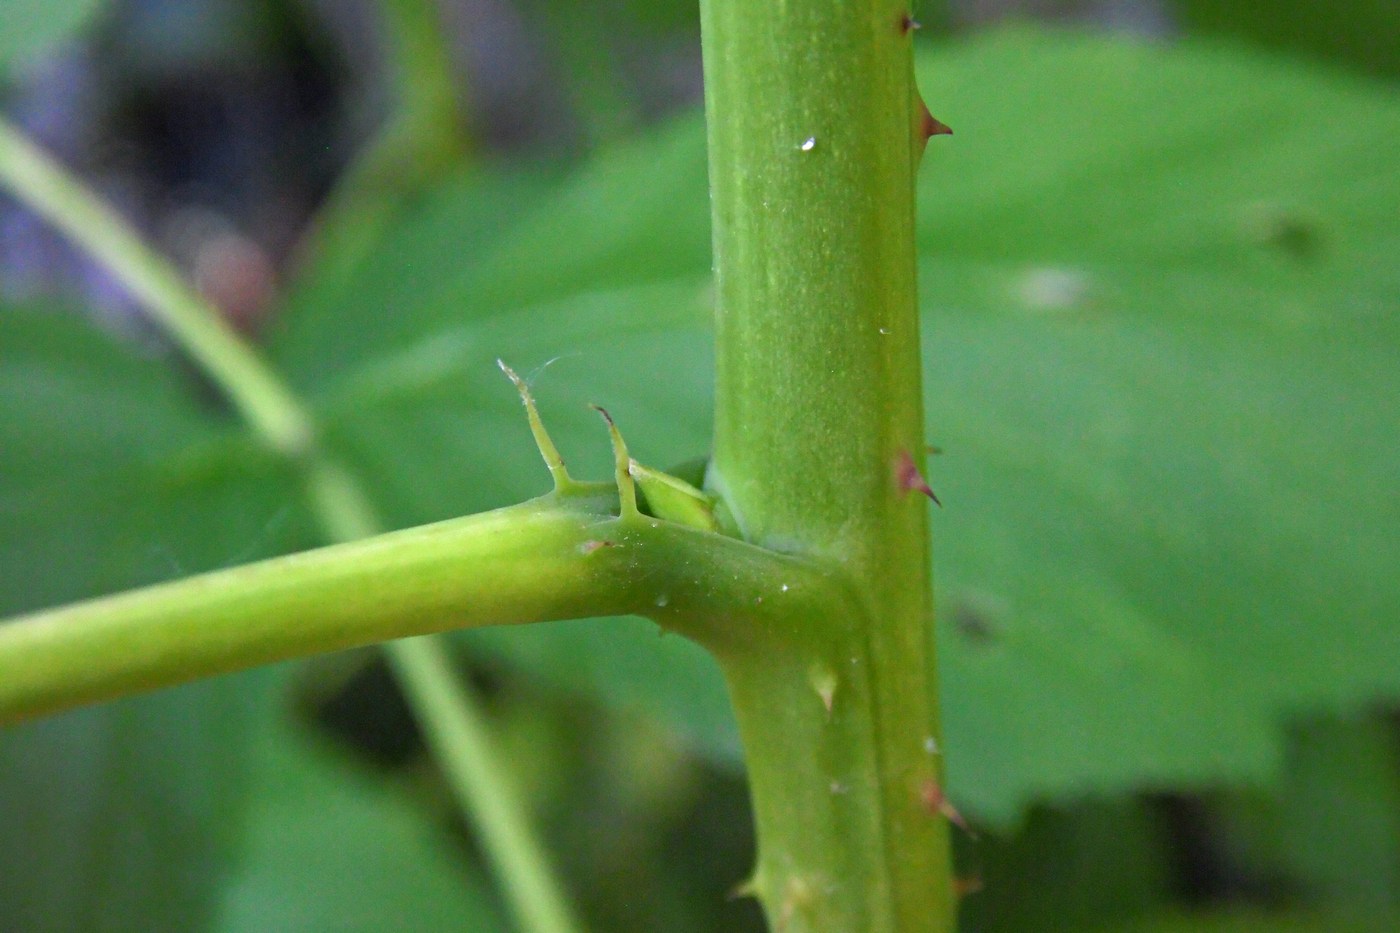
445, 708
604, 105
424, 137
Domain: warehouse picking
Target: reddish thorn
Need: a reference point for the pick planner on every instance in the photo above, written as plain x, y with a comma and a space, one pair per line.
908, 24
928, 126
962, 887
932, 126
909, 478
935, 801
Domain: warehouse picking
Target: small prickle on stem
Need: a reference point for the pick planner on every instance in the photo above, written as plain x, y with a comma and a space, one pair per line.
935, 801
909, 478
926, 126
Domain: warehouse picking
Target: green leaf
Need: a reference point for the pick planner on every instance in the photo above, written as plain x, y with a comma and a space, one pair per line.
28, 26
1170, 445
114, 473
627, 663
328, 846
1240, 922
117, 470
1363, 33
1331, 828
1160, 344
121, 817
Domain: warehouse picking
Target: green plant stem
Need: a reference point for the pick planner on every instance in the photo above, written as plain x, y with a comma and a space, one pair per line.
517, 564
140, 655
449, 714
556, 557
815, 127
428, 104
488, 797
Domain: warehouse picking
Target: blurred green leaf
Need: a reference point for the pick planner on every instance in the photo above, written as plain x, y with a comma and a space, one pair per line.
28, 26
112, 473
121, 817
1170, 435
1260, 923
1331, 829
1363, 33
118, 469
326, 845
625, 662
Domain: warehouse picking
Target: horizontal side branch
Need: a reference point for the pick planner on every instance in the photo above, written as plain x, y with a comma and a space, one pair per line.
525, 563
557, 557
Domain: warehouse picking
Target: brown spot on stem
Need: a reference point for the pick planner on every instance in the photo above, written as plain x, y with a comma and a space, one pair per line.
909, 478
936, 802
588, 547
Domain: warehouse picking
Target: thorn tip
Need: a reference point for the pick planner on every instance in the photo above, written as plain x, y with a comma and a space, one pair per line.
909, 478
935, 801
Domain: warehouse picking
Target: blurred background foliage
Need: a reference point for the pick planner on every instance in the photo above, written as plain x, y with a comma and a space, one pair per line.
1161, 274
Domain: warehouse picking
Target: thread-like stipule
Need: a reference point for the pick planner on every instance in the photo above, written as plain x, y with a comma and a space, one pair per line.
626, 487
550, 453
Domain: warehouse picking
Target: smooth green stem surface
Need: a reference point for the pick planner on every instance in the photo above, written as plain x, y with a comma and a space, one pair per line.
519, 564
815, 128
